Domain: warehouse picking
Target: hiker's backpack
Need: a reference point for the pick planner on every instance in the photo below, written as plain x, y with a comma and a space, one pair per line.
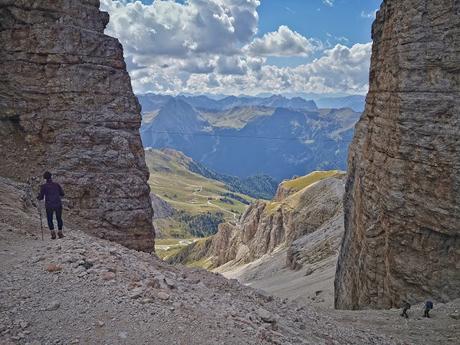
429, 305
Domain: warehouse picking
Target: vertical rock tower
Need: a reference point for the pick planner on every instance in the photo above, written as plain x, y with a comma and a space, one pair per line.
402, 202
66, 105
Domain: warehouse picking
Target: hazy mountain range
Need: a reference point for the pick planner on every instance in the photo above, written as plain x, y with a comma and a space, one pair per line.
246, 136
355, 102
151, 102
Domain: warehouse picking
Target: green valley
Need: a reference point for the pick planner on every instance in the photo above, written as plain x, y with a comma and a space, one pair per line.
187, 204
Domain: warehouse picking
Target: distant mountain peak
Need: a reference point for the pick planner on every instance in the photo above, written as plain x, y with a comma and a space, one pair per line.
178, 104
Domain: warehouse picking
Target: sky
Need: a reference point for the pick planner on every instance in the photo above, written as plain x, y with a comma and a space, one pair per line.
245, 46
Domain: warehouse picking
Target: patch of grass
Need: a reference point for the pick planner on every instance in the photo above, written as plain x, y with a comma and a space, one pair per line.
168, 241
236, 117
272, 206
174, 228
305, 181
205, 263
297, 185
166, 248
184, 190
167, 253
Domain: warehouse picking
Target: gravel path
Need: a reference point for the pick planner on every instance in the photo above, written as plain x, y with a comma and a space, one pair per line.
84, 291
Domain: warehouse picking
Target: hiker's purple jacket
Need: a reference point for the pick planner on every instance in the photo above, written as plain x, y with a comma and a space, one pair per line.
52, 193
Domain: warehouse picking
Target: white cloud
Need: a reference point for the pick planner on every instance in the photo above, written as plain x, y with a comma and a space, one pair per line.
329, 3
283, 42
209, 46
340, 69
232, 65
369, 15
174, 29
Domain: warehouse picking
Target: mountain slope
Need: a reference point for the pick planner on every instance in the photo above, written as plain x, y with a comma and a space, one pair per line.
193, 204
171, 180
288, 246
236, 117
257, 186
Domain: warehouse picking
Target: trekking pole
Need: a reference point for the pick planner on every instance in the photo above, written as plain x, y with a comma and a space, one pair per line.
40, 213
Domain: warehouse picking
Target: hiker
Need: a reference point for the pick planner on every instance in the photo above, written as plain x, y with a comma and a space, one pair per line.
52, 193
428, 307
406, 307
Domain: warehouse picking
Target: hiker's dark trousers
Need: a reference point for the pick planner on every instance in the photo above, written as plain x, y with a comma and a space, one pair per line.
49, 217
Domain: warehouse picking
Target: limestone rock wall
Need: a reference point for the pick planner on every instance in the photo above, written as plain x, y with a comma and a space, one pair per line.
402, 201
66, 105
268, 226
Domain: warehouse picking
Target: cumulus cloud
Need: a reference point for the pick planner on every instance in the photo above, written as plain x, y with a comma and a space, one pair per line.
283, 42
200, 46
340, 69
232, 65
175, 29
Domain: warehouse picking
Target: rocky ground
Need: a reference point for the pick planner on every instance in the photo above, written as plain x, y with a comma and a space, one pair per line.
82, 290
313, 284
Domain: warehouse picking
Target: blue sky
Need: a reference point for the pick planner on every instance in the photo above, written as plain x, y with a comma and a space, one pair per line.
313, 18
345, 22
245, 46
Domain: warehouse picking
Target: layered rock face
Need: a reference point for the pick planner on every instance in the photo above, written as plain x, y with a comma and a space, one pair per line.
266, 225
280, 224
66, 105
402, 202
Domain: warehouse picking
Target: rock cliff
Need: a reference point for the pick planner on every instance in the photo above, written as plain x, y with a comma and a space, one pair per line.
402, 202
287, 246
66, 105
267, 225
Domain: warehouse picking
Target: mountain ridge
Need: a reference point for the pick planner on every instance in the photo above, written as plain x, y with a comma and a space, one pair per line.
280, 142
151, 102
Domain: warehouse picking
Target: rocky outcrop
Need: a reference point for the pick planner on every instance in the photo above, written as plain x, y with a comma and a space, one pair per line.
402, 202
268, 226
286, 248
289, 187
66, 105
161, 209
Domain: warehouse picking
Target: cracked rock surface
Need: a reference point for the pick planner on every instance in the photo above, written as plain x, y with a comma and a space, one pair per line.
402, 199
66, 105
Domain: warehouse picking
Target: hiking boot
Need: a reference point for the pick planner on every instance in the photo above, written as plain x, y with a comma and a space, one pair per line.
60, 234
53, 235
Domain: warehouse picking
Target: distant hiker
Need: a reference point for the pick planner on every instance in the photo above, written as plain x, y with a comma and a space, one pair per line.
52, 193
428, 307
406, 307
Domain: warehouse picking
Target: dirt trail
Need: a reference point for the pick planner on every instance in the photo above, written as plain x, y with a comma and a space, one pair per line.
194, 201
